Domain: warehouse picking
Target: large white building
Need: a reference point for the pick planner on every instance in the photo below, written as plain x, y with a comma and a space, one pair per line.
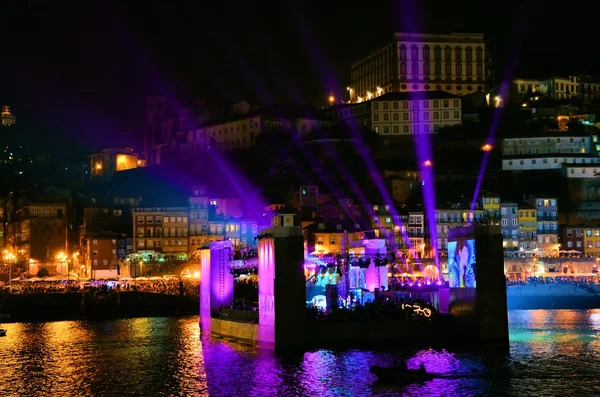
421, 62
402, 113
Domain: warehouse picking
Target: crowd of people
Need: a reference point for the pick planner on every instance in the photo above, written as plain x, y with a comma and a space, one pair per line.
187, 288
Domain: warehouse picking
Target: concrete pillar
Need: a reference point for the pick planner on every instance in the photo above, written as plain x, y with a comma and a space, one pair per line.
485, 302
221, 279
491, 286
281, 286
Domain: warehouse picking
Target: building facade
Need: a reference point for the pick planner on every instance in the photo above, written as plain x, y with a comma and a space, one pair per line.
571, 87
109, 161
591, 241
161, 229
451, 217
509, 213
38, 233
572, 239
527, 228
547, 224
103, 262
549, 152
402, 113
421, 62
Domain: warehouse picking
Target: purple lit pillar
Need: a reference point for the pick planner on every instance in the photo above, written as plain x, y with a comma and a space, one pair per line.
205, 323
266, 290
221, 279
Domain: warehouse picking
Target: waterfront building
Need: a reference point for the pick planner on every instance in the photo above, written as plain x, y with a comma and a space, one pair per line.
527, 228
161, 229
109, 161
115, 218
451, 216
572, 239
402, 113
490, 203
591, 239
455, 63
547, 224
509, 225
103, 261
38, 232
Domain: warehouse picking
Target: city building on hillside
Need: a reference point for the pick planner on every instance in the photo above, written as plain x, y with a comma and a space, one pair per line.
242, 131
103, 261
163, 230
403, 184
339, 209
509, 213
455, 63
7, 119
109, 161
402, 113
572, 240
167, 125
551, 151
397, 227
572, 87
527, 228
547, 224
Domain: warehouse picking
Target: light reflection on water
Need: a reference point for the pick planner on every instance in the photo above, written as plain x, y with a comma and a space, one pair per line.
550, 351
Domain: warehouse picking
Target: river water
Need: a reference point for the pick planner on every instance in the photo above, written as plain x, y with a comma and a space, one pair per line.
552, 353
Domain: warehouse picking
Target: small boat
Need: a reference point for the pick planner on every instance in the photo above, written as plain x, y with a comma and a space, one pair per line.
400, 375
2, 332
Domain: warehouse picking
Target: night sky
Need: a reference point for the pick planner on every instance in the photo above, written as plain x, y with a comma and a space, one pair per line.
79, 74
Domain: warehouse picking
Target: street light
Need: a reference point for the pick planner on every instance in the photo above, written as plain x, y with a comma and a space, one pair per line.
487, 147
62, 258
331, 99
9, 258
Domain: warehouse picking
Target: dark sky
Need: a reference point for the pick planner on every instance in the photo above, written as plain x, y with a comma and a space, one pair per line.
77, 73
